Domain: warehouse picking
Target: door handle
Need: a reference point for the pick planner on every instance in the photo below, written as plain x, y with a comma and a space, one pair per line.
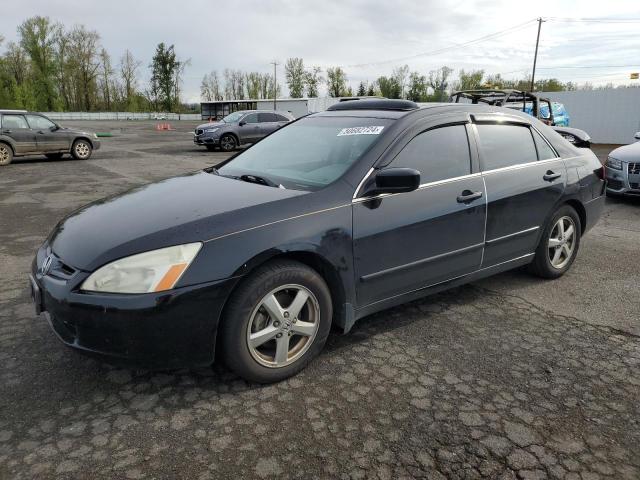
550, 176
467, 196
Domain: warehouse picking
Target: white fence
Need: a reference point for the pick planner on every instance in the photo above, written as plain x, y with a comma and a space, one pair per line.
608, 116
120, 116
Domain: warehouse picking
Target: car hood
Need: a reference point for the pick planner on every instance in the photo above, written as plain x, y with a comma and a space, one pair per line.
189, 208
628, 153
211, 125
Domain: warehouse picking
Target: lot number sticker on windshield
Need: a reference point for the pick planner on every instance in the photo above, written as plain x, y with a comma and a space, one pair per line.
360, 131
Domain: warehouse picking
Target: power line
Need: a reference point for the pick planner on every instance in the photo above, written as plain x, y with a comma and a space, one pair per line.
446, 49
593, 20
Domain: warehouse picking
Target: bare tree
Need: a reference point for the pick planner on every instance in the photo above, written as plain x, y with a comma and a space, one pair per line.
439, 81
253, 82
400, 75
210, 87
312, 80
129, 74
83, 49
106, 79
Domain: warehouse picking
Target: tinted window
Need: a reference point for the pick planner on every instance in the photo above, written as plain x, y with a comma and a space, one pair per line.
310, 153
544, 150
14, 121
505, 145
252, 118
280, 118
438, 154
267, 117
38, 122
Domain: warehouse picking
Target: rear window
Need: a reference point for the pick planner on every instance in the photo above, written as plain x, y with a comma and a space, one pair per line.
504, 145
310, 153
14, 121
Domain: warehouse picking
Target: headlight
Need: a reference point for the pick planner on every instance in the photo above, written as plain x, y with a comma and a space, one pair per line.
614, 163
211, 130
152, 271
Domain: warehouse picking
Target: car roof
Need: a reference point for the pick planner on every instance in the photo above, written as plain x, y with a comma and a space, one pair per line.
14, 111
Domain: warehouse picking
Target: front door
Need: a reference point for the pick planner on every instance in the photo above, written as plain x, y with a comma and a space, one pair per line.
49, 138
524, 179
17, 128
405, 242
251, 130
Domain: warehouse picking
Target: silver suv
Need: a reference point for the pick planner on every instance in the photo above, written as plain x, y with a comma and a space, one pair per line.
239, 128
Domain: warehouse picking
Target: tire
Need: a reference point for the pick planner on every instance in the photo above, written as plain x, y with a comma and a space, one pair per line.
249, 314
228, 142
557, 250
81, 150
54, 156
6, 154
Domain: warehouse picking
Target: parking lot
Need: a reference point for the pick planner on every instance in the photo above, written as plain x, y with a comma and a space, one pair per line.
510, 377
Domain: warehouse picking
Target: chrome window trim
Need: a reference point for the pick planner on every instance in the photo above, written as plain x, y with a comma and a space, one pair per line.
364, 179
521, 165
422, 186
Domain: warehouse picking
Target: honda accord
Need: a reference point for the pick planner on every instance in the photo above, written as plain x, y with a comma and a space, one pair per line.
331, 218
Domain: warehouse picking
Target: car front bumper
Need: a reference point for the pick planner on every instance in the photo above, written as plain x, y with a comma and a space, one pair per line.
165, 330
205, 139
623, 182
95, 143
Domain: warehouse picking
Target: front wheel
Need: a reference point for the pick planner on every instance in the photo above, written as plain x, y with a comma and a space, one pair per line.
228, 142
559, 244
81, 150
276, 322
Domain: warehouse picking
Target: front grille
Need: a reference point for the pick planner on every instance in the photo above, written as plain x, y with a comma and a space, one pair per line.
614, 184
634, 169
199, 131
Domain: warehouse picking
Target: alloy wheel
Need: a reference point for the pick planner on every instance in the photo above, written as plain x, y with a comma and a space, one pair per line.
227, 143
562, 242
283, 326
5, 155
82, 150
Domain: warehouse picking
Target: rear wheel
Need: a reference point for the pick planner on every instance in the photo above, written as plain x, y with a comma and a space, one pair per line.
81, 150
228, 142
559, 244
276, 322
54, 156
6, 154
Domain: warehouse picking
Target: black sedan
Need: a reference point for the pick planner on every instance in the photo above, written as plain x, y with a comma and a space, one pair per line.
335, 216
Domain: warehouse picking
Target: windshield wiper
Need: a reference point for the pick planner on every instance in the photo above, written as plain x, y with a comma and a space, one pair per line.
259, 180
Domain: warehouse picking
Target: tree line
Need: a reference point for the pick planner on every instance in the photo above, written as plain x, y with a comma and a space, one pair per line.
52, 68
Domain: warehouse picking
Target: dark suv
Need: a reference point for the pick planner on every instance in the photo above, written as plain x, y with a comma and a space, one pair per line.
237, 128
27, 133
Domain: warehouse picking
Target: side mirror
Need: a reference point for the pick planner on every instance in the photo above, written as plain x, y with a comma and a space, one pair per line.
242, 123
637, 136
54, 128
397, 180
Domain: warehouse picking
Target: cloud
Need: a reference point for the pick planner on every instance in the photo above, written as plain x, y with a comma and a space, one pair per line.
249, 34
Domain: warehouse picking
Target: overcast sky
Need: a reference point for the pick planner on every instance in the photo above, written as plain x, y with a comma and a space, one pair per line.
367, 37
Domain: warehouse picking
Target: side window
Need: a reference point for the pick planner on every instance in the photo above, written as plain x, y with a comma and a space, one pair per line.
14, 121
251, 118
38, 122
505, 145
281, 118
544, 150
438, 154
266, 117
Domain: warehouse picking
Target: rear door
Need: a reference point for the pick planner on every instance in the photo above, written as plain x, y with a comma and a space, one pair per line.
48, 137
268, 123
17, 128
409, 241
524, 179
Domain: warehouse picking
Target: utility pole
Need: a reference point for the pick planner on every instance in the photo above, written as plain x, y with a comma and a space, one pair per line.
535, 56
275, 83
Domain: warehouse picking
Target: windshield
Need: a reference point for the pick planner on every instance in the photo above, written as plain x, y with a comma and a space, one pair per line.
308, 154
233, 117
